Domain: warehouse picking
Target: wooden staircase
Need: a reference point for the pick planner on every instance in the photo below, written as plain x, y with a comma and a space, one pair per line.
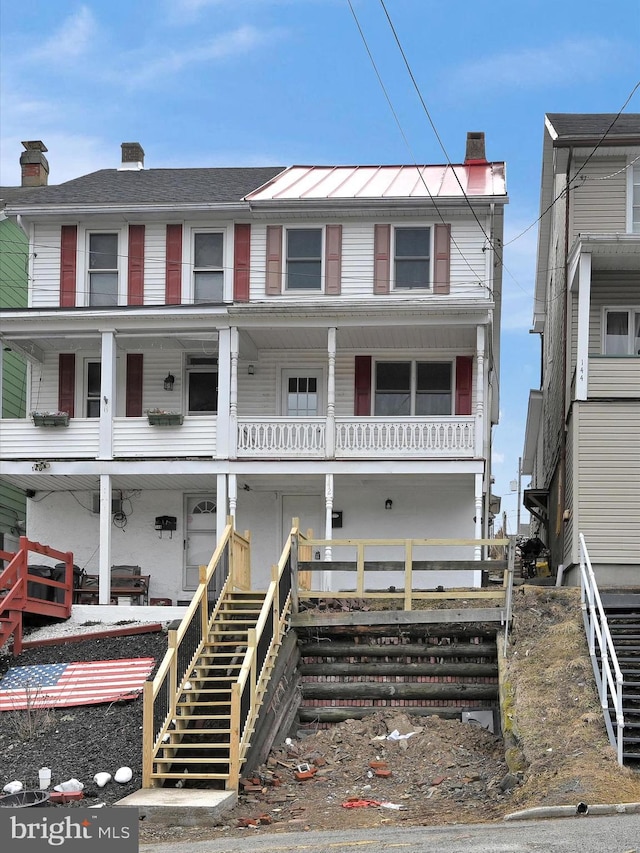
19, 588
622, 609
198, 747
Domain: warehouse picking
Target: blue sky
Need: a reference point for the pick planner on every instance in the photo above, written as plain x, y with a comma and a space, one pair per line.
277, 82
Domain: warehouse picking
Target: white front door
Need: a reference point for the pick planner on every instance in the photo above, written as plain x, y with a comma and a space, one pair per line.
200, 543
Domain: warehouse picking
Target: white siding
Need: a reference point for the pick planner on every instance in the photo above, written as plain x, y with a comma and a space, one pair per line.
45, 287
608, 460
598, 200
614, 377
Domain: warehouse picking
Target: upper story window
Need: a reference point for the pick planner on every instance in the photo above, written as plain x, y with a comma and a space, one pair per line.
622, 332
405, 388
103, 269
202, 385
412, 257
208, 269
635, 217
304, 259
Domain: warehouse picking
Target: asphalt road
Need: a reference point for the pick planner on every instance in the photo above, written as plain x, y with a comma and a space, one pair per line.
588, 834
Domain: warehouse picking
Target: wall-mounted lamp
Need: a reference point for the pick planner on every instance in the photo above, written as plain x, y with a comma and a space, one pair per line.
41, 465
251, 369
388, 504
168, 382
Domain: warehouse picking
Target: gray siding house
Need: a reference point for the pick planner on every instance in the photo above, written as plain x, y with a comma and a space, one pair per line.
582, 443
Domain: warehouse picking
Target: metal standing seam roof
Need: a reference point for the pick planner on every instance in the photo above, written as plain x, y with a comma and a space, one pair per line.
387, 182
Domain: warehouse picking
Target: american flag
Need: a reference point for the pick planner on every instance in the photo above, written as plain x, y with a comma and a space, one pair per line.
62, 685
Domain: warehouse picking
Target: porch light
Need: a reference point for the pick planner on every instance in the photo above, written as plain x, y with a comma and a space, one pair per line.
168, 382
388, 504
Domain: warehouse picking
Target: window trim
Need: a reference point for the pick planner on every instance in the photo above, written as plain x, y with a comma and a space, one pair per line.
392, 257
414, 361
633, 180
285, 258
83, 273
632, 312
190, 229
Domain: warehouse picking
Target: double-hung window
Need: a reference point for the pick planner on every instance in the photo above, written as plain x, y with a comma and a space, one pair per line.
412, 258
304, 259
103, 269
635, 199
202, 385
419, 388
622, 331
208, 269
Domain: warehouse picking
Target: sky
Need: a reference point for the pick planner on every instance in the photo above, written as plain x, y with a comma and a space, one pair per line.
281, 82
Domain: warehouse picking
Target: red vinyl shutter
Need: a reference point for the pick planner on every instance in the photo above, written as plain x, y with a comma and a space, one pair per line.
135, 277
134, 385
273, 284
382, 258
442, 266
362, 402
464, 388
241, 262
66, 382
68, 249
173, 282
333, 260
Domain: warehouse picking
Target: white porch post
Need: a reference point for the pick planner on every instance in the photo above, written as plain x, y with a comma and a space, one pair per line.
584, 300
477, 555
328, 529
1, 373
480, 391
227, 393
107, 393
233, 497
104, 565
330, 448
221, 504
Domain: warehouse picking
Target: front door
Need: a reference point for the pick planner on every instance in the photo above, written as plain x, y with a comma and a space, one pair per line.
200, 543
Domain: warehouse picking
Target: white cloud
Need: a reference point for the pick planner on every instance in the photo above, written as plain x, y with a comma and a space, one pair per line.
233, 43
71, 40
569, 61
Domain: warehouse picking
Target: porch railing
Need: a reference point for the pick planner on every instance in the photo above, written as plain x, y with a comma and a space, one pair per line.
604, 660
403, 437
281, 437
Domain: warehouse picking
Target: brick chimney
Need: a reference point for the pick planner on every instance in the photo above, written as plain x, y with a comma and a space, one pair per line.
475, 149
35, 168
132, 156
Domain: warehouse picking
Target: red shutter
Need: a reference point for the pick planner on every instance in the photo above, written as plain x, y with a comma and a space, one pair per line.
362, 403
333, 260
134, 385
241, 262
273, 284
66, 382
464, 387
173, 285
382, 258
442, 267
136, 265
68, 248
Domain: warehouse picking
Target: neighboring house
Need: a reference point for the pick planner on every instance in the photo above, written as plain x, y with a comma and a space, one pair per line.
328, 338
582, 445
13, 294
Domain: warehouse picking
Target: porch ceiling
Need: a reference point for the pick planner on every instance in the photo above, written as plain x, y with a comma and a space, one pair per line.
41, 482
365, 337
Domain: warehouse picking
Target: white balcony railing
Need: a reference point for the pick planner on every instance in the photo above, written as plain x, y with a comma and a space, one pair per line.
404, 437
298, 437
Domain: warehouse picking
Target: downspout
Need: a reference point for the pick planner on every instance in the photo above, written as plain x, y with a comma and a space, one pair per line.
562, 480
20, 224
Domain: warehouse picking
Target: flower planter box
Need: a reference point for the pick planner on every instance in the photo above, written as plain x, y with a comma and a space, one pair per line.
164, 419
50, 420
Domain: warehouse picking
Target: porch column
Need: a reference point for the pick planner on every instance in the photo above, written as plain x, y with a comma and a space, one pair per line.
1, 374
104, 565
233, 497
227, 393
221, 504
328, 529
107, 393
477, 554
584, 301
330, 446
480, 392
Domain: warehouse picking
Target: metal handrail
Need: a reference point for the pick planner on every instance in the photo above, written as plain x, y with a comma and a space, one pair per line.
597, 628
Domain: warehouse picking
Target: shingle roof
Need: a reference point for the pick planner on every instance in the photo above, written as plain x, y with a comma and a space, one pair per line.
592, 126
9, 195
155, 186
